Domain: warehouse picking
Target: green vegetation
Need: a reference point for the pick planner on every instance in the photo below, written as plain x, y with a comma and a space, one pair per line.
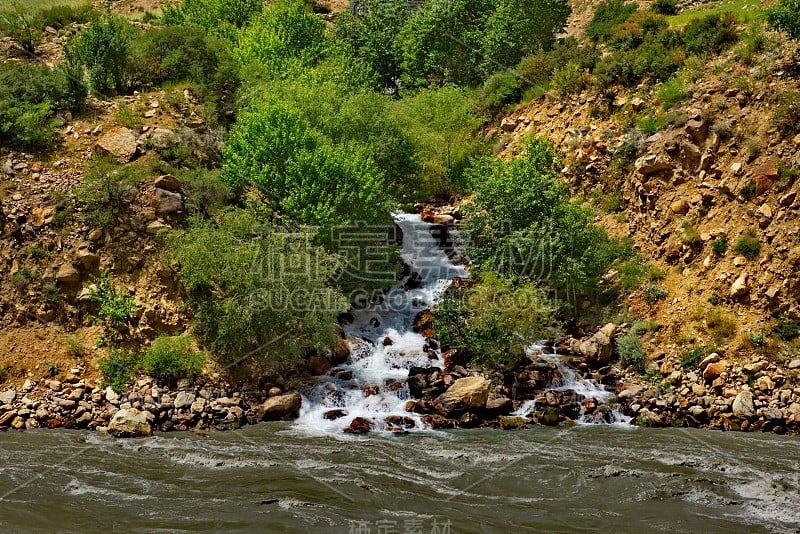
172, 357
119, 367
748, 245
786, 329
75, 347
654, 293
523, 223
664, 7
631, 353
787, 114
250, 297
785, 16
115, 308
495, 320
720, 245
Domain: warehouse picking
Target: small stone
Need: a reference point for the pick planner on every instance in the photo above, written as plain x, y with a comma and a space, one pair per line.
794, 364
156, 226
740, 287
183, 400
739, 261
169, 183
53, 385
680, 207
95, 235
118, 142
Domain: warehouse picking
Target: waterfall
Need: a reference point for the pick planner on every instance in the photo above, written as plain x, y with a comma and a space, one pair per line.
383, 345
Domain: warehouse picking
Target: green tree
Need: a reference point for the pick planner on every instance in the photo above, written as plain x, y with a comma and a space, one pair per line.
523, 223
260, 291
283, 36
105, 49
221, 17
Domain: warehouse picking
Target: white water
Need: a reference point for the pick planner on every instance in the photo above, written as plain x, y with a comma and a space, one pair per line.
374, 365
571, 380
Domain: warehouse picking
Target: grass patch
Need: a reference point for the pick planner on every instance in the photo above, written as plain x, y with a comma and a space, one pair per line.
743, 10
748, 245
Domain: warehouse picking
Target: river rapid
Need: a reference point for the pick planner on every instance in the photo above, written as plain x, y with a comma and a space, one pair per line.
270, 478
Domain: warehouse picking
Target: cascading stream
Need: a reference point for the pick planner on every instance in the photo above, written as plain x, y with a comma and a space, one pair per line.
371, 385
571, 380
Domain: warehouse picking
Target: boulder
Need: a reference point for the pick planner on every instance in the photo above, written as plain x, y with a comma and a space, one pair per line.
359, 425
680, 207
652, 164
168, 203
596, 349
281, 407
130, 423
118, 142
698, 129
501, 405
714, 370
168, 183
649, 418
183, 400
67, 274
156, 226
743, 405
465, 393
319, 365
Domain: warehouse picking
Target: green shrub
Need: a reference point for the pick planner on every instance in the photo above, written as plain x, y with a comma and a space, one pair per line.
631, 352
118, 367
260, 292
786, 329
571, 79
522, 222
635, 271
654, 293
302, 174
105, 49
500, 90
106, 190
22, 26
467, 41
748, 245
785, 16
30, 95
60, 16
640, 328
283, 36
711, 34
495, 321
608, 15
756, 339
221, 17
75, 347
720, 245
787, 114
172, 357
116, 310
664, 7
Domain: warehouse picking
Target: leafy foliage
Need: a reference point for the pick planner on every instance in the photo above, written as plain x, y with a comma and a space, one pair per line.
221, 17
710, 35
118, 367
30, 96
631, 352
116, 309
260, 292
748, 245
105, 49
494, 321
608, 15
172, 357
785, 16
522, 223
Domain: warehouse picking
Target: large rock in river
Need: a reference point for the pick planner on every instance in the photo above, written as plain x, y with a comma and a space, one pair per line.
743, 405
464, 394
281, 407
130, 423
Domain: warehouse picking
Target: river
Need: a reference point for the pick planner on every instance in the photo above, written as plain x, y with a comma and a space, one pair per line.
270, 478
